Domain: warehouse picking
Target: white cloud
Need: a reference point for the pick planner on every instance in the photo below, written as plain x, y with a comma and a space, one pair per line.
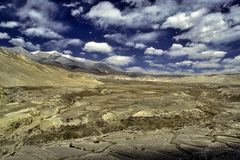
178, 50
231, 65
97, 47
42, 32
140, 46
184, 20
125, 40
77, 12
105, 14
62, 44
20, 42
4, 35
234, 14
145, 37
69, 5
184, 63
214, 28
137, 3
67, 52
130, 44
9, 24
153, 51
234, 61
206, 65
210, 54
204, 3
137, 41
149, 71
2, 7
153, 64
119, 61
117, 37
40, 14
89, 1
195, 51
135, 69
149, 14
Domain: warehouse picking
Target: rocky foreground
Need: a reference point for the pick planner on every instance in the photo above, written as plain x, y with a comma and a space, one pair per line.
121, 119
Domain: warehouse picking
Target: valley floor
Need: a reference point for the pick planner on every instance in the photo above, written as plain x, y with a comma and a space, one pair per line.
121, 120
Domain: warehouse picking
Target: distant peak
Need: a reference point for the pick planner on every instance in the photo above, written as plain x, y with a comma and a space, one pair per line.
53, 52
35, 52
47, 52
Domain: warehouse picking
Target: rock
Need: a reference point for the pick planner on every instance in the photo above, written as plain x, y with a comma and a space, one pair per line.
145, 113
108, 117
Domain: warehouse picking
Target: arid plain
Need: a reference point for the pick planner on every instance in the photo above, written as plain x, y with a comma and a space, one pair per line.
73, 115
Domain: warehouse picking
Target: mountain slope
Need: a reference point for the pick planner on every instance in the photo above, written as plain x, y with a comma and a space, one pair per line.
17, 70
67, 61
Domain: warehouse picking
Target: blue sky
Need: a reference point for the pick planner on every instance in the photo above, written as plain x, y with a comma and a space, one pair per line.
149, 36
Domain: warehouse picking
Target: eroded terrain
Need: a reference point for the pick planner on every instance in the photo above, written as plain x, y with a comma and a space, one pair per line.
121, 120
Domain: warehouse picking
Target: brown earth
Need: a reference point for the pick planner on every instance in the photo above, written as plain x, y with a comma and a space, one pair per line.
121, 120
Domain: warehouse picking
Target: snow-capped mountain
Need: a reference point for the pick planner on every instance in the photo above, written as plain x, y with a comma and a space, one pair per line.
66, 61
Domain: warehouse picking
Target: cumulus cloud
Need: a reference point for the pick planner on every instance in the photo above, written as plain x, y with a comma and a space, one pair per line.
184, 20
89, 1
62, 44
231, 65
145, 37
153, 64
4, 35
177, 50
40, 15
149, 71
210, 54
137, 3
140, 46
69, 5
77, 11
105, 14
97, 47
195, 51
9, 24
2, 7
234, 14
20, 42
117, 37
206, 65
119, 61
146, 14
204, 3
67, 52
135, 69
215, 28
42, 32
153, 51
184, 63
127, 40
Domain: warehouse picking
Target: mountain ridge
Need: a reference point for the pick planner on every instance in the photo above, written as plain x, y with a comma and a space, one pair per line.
68, 62
19, 70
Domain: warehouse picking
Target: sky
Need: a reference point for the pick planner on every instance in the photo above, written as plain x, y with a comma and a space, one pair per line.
147, 36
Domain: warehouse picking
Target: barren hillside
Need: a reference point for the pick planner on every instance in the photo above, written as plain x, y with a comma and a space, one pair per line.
17, 70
